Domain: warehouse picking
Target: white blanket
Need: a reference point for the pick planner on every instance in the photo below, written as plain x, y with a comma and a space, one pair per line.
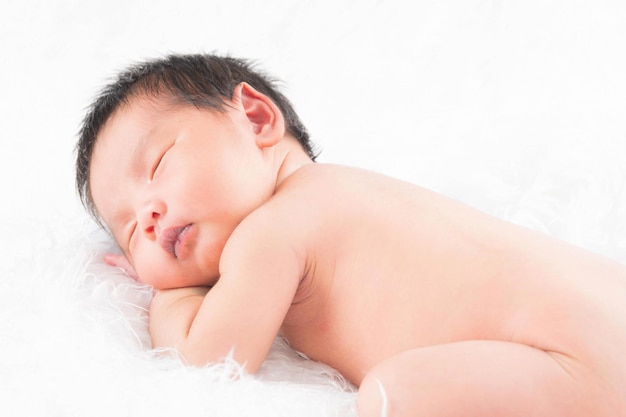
517, 108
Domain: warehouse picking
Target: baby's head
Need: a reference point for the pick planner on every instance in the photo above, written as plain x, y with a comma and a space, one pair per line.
200, 80
174, 153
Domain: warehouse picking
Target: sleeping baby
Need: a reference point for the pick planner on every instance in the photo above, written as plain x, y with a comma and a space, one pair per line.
205, 176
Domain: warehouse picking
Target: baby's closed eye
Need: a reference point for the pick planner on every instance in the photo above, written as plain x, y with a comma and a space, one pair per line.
158, 163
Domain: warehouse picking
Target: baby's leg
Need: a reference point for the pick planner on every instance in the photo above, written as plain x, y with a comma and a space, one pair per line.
478, 378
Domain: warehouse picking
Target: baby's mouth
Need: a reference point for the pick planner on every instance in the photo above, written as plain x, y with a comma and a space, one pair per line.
171, 239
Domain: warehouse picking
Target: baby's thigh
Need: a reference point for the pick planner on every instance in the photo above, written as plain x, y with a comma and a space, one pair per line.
476, 378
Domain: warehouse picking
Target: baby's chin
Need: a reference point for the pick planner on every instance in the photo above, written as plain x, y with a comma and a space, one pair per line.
193, 272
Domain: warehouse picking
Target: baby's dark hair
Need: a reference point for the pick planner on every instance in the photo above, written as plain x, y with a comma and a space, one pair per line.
201, 80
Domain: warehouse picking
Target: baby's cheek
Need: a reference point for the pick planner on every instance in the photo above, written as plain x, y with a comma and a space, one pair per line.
150, 276
202, 277
204, 265
153, 269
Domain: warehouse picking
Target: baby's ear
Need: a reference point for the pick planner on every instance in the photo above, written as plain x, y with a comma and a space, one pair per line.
262, 113
120, 261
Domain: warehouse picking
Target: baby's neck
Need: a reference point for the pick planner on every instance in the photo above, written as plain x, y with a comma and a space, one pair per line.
288, 158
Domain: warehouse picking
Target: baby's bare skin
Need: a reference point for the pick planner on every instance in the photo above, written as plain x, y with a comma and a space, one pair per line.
395, 259
430, 307
398, 268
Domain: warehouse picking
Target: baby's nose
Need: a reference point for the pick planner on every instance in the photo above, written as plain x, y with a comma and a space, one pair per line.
154, 223
149, 218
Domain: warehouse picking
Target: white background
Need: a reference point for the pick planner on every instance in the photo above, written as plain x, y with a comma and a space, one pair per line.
516, 107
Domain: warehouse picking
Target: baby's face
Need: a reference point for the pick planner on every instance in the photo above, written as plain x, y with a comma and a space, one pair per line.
172, 183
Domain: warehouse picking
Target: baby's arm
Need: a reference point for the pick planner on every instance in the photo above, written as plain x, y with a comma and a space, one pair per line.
242, 312
172, 312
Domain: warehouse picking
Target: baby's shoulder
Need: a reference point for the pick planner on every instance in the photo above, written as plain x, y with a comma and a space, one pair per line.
335, 187
314, 173
320, 179
306, 203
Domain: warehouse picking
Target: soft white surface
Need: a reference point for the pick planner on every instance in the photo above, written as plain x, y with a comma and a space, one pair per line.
515, 107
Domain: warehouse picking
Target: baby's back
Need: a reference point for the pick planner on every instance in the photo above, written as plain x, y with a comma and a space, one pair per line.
392, 267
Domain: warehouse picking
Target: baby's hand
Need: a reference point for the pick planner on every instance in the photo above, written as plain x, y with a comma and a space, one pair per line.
120, 261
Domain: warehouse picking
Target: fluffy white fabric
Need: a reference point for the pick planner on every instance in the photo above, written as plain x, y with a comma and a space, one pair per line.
517, 108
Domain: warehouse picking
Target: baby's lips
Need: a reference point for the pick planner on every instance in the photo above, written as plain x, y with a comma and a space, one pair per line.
168, 238
180, 241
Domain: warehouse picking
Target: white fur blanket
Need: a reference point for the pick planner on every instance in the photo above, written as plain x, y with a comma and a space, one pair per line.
517, 108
